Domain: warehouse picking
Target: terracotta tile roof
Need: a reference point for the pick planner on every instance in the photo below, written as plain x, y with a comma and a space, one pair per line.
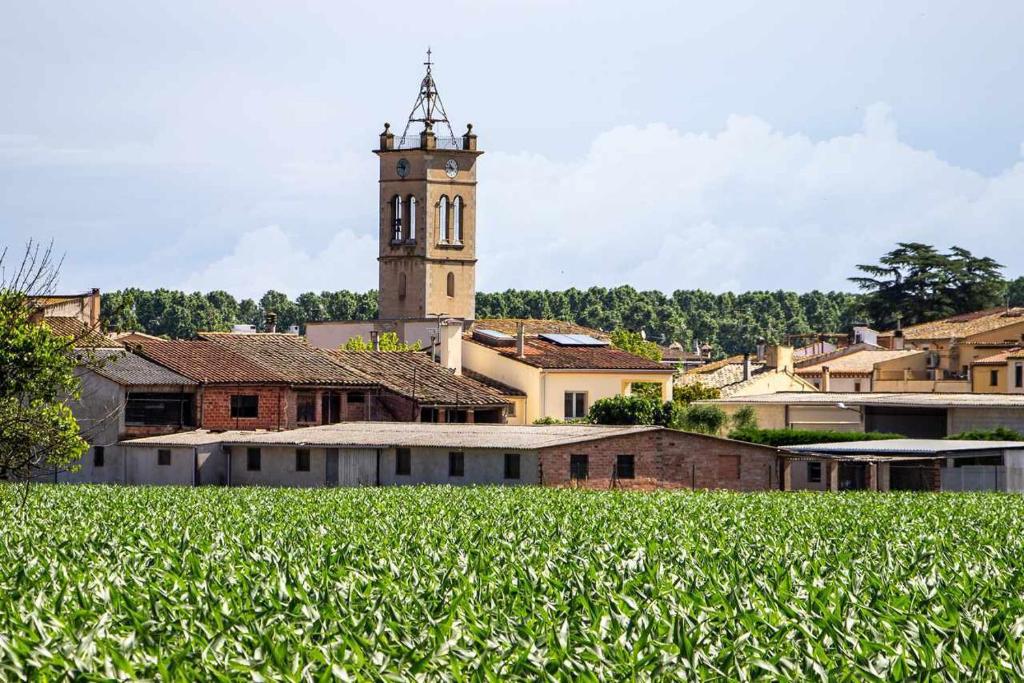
414, 375
858, 363
500, 387
206, 361
718, 364
129, 369
965, 325
291, 357
726, 377
534, 326
550, 356
1002, 358
85, 335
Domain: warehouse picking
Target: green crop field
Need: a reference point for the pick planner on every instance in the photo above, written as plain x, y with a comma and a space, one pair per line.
446, 583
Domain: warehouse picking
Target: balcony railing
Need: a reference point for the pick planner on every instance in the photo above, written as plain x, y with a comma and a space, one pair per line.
413, 142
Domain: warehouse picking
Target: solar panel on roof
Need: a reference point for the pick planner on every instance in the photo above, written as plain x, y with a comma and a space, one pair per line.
573, 340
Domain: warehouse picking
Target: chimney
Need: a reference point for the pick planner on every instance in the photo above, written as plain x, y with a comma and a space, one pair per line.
826, 378
780, 358
897, 340
746, 367
451, 345
94, 307
270, 322
760, 350
375, 340
520, 339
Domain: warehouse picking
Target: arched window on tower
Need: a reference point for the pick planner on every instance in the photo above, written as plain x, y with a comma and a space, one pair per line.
457, 219
412, 219
442, 219
396, 219
401, 285
451, 284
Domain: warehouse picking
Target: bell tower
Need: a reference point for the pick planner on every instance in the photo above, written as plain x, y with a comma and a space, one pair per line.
427, 255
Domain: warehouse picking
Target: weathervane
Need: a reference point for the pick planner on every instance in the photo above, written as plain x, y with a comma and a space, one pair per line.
428, 109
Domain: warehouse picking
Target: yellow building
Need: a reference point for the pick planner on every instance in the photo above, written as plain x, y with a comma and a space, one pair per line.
955, 343
558, 375
1002, 373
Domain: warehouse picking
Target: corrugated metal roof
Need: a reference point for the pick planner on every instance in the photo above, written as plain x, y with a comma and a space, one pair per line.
920, 400
407, 434
905, 447
128, 369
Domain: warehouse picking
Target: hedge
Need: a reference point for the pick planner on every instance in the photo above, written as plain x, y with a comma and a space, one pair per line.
795, 437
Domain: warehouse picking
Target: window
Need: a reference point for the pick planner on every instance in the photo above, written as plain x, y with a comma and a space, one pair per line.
1018, 375
451, 284
814, 472
253, 459
579, 466
511, 412
163, 457
396, 219
728, 467
856, 387
412, 219
245, 406
442, 219
456, 464
401, 285
624, 466
575, 404
151, 408
993, 378
301, 460
403, 462
457, 219
511, 465
97, 456
305, 407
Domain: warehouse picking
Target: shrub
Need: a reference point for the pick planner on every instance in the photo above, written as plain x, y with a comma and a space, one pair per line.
997, 434
795, 437
706, 419
688, 393
744, 419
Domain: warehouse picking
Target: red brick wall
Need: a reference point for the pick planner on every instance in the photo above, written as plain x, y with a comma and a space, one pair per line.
666, 459
277, 407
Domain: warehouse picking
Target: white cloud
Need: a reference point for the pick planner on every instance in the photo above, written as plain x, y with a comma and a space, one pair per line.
270, 258
746, 207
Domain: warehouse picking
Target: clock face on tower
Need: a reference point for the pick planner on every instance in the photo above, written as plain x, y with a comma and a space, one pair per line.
451, 168
402, 168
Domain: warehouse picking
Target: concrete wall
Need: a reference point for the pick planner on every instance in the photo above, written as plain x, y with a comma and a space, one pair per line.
964, 419
482, 466
100, 415
842, 384
143, 468
333, 335
277, 468
773, 383
667, 459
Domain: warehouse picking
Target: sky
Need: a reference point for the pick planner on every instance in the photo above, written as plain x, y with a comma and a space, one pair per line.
666, 145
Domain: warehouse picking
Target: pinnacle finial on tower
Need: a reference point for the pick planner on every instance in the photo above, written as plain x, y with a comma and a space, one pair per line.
429, 109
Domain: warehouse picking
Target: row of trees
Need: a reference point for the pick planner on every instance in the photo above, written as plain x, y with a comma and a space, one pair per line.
912, 283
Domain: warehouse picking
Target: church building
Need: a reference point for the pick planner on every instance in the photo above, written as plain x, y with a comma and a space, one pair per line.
427, 229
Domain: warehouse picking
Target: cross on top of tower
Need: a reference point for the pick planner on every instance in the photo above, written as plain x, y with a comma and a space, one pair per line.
428, 109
